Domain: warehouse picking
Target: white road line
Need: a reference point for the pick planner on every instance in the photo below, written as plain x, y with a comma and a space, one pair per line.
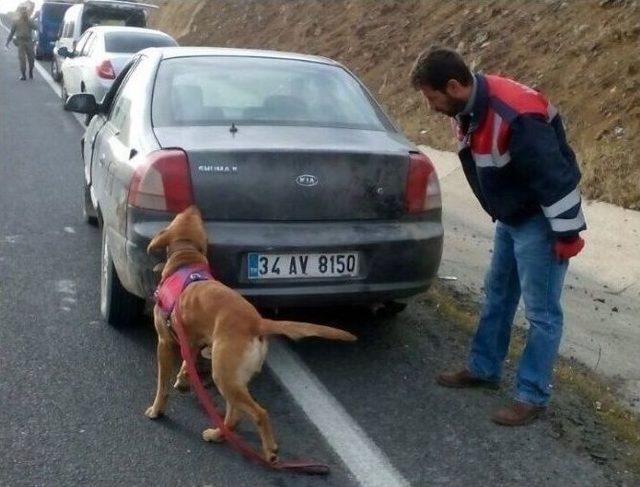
361, 456
67, 290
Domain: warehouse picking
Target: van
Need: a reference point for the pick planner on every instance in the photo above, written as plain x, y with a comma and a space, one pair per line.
49, 19
91, 13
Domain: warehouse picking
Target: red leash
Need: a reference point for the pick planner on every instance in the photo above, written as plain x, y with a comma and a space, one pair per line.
240, 445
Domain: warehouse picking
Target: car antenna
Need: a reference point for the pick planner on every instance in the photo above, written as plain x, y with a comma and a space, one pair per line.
233, 128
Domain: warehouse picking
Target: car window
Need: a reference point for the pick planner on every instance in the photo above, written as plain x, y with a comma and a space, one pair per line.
95, 14
107, 102
84, 48
117, 115
217, 90
88, 47
70, 28
131, 42
120, 114
128, 99
82, 42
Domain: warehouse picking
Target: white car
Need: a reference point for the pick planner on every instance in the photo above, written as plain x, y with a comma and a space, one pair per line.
100, 55
92, 13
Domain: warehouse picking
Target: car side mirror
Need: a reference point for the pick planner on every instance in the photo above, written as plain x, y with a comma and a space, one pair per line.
64, 52
82, 103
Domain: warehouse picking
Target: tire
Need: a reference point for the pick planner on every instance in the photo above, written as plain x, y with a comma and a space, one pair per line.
89, 214
55, 71
388, 309
63, 94
119, 308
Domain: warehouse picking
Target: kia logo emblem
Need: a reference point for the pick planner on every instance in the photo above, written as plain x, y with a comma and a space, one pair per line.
307, 180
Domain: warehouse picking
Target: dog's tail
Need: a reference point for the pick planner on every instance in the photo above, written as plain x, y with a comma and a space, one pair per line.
297, 330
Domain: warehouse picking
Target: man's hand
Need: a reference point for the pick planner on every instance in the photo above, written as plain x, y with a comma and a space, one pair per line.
566, 247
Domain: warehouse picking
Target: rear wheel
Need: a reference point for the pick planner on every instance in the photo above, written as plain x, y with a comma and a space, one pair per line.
118, 307
63, 94
55, 70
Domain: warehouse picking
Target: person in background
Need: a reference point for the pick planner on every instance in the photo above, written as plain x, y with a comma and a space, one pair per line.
21, 34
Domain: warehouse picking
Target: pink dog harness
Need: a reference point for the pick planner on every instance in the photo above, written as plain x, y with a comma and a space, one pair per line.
170, 288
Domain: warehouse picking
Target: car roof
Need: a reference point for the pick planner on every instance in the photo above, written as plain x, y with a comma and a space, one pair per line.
104, 29
177, 52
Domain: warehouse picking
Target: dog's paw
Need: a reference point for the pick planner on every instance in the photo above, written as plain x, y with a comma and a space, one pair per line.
182, 384
152, 413
212, 435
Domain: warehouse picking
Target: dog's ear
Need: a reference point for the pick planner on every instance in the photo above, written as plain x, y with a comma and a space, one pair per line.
160, 242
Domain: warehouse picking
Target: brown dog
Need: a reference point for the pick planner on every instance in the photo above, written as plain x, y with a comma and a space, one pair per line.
218, 317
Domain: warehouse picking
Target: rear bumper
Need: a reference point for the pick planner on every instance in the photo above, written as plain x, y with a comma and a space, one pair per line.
398, 259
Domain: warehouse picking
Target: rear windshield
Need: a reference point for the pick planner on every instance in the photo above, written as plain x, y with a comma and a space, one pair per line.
106, 15
218, 90
135, 41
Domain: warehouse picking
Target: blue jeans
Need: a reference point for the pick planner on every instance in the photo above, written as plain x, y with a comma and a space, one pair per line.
523, 263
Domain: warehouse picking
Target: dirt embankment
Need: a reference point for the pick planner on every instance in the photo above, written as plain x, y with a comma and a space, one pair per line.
583, 54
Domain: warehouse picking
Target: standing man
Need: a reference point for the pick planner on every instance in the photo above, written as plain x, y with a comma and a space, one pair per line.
516, 158
21, 30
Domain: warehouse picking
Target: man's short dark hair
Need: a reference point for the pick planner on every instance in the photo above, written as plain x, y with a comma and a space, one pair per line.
435, 67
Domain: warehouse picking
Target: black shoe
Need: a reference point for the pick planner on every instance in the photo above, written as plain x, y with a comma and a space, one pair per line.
22, 78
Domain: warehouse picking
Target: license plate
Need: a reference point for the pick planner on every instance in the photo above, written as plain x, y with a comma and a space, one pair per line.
301, 266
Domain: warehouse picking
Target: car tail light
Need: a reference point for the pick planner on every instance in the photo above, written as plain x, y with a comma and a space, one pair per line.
105, 70
423, 189
162, 182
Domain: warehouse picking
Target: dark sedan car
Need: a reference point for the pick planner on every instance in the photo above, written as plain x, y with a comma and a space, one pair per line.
310, 194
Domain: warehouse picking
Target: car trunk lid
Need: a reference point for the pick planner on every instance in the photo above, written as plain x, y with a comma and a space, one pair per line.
293, 173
